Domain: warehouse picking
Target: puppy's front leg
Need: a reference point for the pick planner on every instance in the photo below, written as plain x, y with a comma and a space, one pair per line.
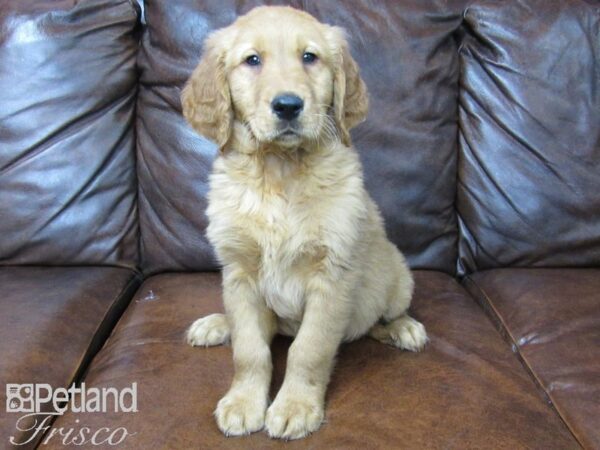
253, 325
298, 408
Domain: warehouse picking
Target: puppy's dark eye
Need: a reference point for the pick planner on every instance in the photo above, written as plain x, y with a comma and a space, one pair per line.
253, 60
309, 57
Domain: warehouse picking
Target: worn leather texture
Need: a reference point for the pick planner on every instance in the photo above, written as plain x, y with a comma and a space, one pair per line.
529, 120
54, 320
67, 162
408, 59
465, 390
552, 318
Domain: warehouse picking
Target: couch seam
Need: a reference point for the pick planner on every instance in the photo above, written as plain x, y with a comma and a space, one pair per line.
504, 331
135, 279
138, 33
78, 373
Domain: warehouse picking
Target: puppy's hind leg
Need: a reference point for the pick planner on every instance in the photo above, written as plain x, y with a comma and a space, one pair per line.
209, 331
404, 332
397, 328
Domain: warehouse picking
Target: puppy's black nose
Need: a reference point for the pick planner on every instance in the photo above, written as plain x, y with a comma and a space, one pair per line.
287, 106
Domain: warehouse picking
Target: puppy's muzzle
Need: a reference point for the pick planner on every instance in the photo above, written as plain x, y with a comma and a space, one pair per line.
287, 106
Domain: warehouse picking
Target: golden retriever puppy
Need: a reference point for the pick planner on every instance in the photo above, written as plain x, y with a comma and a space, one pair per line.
303, 246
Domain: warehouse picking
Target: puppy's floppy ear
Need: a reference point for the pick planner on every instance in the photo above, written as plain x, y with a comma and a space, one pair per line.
350, 98
205, 99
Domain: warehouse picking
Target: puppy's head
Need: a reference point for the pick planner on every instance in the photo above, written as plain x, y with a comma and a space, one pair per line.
287, 78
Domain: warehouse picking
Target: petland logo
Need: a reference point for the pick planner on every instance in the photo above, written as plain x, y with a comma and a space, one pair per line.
39, 402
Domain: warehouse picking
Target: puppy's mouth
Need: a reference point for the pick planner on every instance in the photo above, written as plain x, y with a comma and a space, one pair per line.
287, 134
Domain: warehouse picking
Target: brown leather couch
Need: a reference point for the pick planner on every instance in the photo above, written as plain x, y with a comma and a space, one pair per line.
482, 148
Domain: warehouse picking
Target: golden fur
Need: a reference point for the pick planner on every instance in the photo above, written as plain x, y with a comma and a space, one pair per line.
303, 247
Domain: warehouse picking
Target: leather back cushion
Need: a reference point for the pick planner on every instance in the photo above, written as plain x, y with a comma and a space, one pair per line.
409, 61
529, 164
67, 162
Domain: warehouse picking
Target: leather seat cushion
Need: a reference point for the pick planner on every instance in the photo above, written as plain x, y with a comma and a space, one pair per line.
466, 389
54, 319
552, 318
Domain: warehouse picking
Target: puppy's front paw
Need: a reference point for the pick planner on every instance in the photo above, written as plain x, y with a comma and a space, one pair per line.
208, 331
240, 413
293, 416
